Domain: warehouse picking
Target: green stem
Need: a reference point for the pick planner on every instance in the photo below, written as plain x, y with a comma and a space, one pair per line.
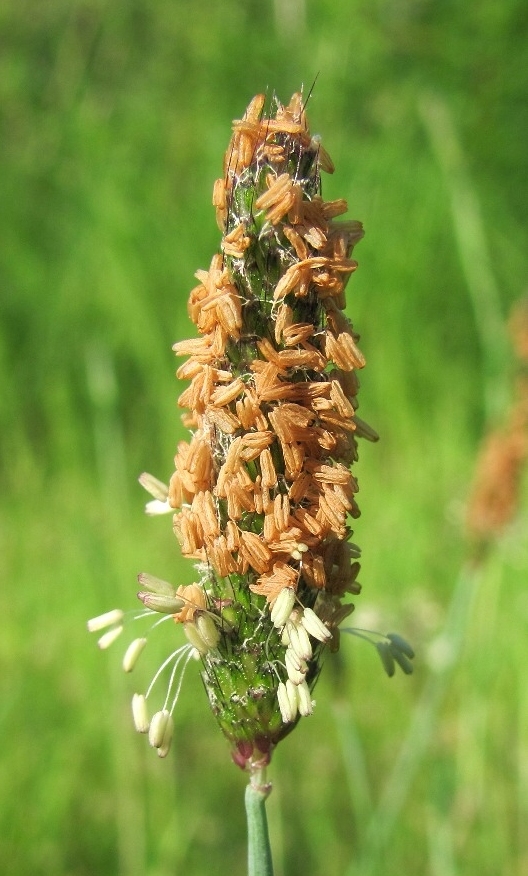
259, 850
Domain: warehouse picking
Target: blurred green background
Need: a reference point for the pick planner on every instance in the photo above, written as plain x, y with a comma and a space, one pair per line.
114, 117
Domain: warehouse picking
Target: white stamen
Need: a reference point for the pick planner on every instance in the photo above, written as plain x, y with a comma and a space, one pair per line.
154, 486
140, 713
291, 631
156, 507
157, 728
315, 626
109, 637
299, 640
299, 550
291, 690
287, 706
105, 620
304, 699
164, 748
132, 654
295, 667
282, 607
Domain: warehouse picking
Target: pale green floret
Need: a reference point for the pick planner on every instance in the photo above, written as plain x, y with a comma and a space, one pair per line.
109, 637
157, 728
132, 654
207, 630
156, 585
195, 638
140, 713
162, 604
105, 620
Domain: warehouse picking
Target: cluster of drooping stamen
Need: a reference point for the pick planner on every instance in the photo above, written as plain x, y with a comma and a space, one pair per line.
161, 598
262, 489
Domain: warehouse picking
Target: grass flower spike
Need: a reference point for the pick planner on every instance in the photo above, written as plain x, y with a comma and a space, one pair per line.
262, 491
263, 488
